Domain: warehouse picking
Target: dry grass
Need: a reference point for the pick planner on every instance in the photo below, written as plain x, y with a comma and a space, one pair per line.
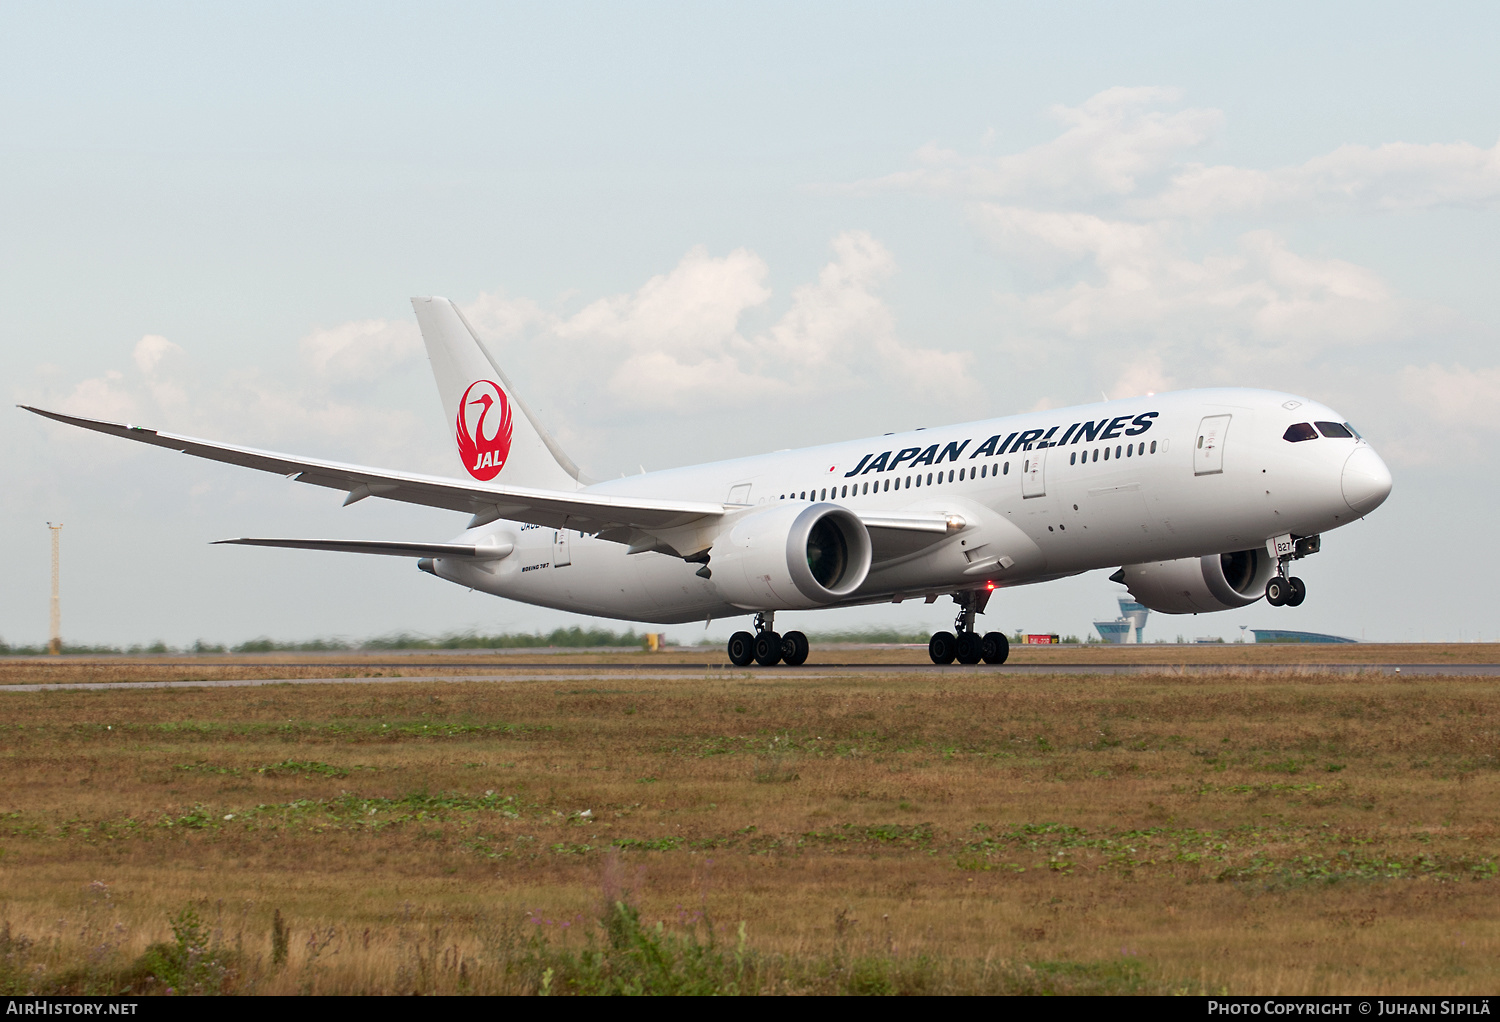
1250, 834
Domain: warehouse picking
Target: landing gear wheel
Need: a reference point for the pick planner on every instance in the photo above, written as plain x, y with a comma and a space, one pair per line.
943, 647
767, 649
794, 649
741, 649
1297, 593
994, 648
1277, 590
968, 648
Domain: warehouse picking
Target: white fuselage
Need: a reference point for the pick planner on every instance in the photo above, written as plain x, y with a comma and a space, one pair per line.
1043, 495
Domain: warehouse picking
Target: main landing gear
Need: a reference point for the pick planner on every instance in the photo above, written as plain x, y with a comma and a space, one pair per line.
968, 647
766, 647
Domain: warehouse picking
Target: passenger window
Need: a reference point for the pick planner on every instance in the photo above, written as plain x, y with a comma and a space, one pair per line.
1007, 469
960, 475
1334, 430
845, 492
824, 496
1117, 451
1106, 454
1073, 458
1129, 450
1295, 433
908, 483
804, 495
984, 471
1153, 447
950, 475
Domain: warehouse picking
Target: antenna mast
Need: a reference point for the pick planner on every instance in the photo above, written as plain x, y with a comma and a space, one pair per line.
54, 647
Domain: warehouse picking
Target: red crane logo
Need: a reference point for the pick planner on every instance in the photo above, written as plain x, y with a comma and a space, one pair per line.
483, 438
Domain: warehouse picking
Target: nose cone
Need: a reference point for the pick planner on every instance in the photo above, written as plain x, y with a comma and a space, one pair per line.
1367, 482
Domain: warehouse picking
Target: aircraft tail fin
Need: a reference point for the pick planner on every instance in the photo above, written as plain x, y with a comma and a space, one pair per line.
498, 437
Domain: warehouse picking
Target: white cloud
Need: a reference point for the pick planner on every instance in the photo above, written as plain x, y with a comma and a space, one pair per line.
1398, 176
1138, 280
150, 350
1456, 397
1128, 149
1110, 143
677, 343
360, 350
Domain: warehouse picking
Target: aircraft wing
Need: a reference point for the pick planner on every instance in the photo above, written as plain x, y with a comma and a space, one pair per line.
390, 548
552, 508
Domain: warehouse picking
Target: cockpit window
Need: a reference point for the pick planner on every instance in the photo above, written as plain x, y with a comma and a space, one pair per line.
1354, 431
1301, 431
1334, 429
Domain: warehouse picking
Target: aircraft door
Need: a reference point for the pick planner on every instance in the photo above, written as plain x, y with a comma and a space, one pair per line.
1034, 474
561, 556
1208, 455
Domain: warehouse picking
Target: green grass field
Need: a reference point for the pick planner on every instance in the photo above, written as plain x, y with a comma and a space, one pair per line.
863, 834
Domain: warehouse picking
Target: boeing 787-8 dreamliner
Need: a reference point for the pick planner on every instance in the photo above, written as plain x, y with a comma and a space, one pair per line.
1202, 498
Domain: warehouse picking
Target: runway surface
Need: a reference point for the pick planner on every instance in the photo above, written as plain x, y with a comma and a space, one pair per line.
595, 672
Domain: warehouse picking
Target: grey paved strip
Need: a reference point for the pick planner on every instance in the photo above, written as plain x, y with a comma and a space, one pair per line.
617, 673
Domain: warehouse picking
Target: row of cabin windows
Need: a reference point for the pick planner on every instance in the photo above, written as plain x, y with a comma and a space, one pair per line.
1304, 431
982, 472
1125, 451
884, 485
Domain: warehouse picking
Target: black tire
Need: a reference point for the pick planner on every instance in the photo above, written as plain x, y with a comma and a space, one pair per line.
741, 649
768, 649
943, 647
1297, 592
794, 649
1277, 591
994, 648
968, 651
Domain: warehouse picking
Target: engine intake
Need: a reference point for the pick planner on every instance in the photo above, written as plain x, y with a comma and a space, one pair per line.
1197, 585
791, 557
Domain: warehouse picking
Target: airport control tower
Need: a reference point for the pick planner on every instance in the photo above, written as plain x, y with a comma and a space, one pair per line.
1126, 628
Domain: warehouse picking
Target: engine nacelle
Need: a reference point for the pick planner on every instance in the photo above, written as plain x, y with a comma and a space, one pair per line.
1196, 585
791, 557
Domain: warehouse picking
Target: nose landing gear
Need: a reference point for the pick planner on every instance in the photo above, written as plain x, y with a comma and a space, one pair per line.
767, 647
1283, 590
967, 646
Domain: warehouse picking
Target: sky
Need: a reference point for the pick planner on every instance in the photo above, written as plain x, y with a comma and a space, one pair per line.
692, 232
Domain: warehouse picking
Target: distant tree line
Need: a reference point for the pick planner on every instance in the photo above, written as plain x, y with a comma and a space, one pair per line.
573, 637
567, 638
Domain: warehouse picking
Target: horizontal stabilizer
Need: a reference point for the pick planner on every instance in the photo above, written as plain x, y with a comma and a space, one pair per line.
387, 547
